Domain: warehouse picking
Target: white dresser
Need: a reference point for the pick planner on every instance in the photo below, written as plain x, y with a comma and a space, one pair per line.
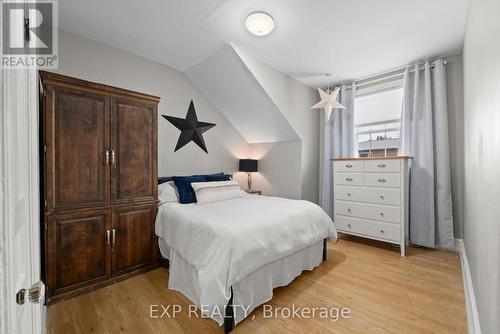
371, 198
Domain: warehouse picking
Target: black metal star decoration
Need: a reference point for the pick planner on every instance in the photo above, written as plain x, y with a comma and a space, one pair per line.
191, 128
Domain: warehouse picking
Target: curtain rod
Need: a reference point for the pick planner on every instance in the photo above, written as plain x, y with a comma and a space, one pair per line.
381, 76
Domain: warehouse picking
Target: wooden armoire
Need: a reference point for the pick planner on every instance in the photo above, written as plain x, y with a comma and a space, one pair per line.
99, 170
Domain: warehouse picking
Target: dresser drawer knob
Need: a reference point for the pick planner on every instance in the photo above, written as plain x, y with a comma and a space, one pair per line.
381, 165
348, 166
348, 179
381, 231
381, 196
349, 225
349, 210
381, 214
382, 180
349, 194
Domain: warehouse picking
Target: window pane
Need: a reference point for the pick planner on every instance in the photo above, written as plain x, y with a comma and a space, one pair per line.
378, 127
377, 123
393, 134
379, 107
362, 138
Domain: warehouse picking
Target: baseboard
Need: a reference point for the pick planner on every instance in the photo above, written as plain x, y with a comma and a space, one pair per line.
473, 325
458, 245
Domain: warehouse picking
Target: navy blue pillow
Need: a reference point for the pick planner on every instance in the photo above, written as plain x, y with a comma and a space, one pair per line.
217, 177
186, 192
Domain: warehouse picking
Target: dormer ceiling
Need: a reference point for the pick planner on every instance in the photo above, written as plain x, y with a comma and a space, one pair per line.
227, 82
347, 38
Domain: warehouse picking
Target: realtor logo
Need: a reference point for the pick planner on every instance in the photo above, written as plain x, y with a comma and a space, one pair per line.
29, 34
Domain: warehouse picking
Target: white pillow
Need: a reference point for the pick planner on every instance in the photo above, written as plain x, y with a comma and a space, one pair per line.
216, 191
167, 192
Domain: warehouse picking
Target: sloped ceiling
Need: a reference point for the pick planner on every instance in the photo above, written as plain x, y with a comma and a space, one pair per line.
350, 39
347, 38
226, 81
169, 32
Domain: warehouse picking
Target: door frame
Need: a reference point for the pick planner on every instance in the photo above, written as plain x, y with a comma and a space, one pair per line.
7, 191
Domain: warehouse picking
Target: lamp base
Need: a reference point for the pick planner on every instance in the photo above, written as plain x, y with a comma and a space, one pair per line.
249, 181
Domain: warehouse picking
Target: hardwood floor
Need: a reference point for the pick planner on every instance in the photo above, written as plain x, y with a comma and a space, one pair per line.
422, 293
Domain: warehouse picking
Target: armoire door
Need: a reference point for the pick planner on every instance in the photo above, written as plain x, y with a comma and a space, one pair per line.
79, 249
76, 131
133, 238
133, 150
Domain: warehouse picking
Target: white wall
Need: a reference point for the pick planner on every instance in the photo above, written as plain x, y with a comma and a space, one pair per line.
482, 158
279, 168
294, 100
90, 60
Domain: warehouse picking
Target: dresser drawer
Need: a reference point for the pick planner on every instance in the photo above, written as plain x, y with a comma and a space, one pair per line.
391, 214
379, 230
389, 196
354, 179
384, 166
386, 180
349, 166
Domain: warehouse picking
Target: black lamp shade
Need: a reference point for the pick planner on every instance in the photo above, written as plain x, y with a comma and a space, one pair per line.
248, 165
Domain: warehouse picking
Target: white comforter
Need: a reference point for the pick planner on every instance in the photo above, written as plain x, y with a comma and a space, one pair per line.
225, 241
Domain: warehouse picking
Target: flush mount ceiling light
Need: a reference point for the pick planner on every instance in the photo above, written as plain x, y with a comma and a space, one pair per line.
259, 23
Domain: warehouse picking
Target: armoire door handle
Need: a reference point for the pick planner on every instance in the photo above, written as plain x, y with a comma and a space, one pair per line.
107, 157
113, 157
108, 237
114, 240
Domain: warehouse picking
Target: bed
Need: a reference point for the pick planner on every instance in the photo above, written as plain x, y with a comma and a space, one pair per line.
228, 256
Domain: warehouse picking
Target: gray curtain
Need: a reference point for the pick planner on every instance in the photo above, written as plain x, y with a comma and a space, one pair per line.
337, 139
424, 137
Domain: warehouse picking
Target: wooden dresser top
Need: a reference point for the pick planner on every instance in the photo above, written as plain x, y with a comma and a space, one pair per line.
373, 158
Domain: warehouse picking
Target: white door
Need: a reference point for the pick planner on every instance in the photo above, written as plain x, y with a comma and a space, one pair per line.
19, 201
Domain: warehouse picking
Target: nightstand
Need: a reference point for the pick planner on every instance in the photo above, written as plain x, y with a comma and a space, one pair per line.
254, 192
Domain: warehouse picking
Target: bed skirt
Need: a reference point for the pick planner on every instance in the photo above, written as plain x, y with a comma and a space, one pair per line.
254, 289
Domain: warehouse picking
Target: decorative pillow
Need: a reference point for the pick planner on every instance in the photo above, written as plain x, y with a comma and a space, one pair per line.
167, 192
217, 191
217, 177
186, 192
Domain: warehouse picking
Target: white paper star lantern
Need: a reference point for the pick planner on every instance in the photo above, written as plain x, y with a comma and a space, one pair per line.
328, 102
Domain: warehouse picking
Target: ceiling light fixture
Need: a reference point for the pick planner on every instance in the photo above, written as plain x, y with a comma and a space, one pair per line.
259, 23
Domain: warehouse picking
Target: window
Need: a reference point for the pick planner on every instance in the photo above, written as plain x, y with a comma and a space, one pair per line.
377, 118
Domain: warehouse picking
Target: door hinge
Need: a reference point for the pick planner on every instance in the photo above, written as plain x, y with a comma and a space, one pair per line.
27, 30
44, 92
